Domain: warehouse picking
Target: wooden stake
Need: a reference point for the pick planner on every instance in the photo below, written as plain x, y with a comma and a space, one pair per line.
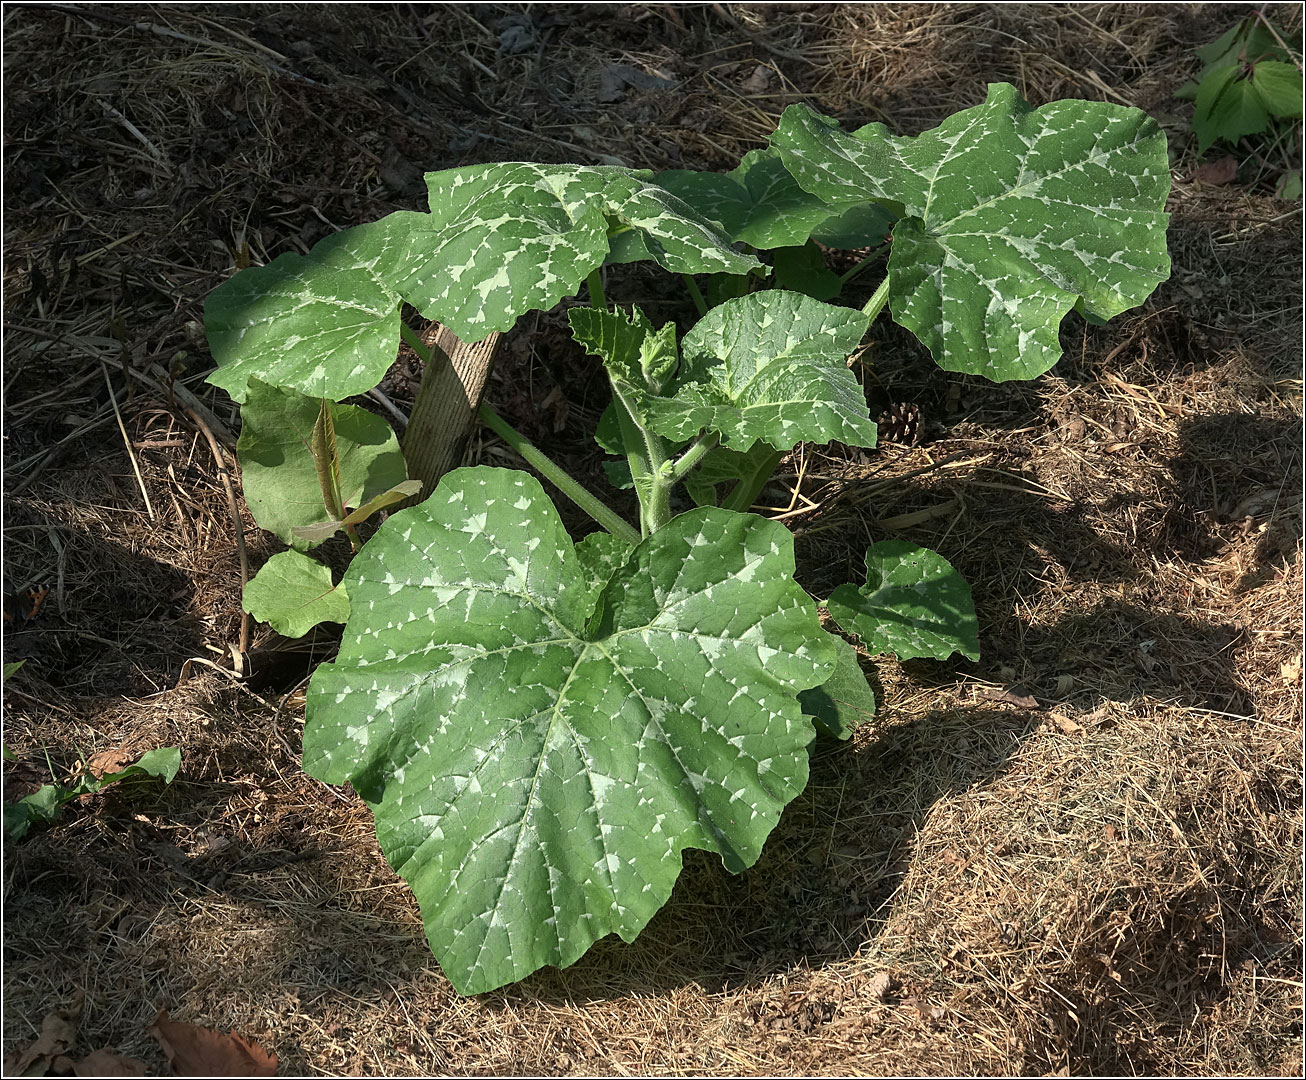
446, 404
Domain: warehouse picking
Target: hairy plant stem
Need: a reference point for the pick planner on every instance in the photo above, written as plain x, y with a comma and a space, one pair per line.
654, 495
876, 303
702, 446
558, 476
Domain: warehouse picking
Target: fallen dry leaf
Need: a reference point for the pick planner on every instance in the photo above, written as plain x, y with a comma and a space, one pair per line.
1221, 171
1064, 724
926, 1010
1291, 671
879, 986
58, 1033
199, 1051
1016, 694
108, 1062
109, 761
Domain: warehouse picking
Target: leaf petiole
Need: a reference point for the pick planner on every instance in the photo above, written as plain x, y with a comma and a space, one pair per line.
595, 282
876, 303
558, 476
702, 446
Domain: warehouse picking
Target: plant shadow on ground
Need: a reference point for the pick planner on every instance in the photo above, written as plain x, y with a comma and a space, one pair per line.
123, 625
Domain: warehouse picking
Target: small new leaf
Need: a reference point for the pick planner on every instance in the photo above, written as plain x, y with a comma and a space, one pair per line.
770, 366
293, 593
914, 604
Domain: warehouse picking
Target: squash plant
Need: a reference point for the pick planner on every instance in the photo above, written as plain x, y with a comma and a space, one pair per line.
542, 726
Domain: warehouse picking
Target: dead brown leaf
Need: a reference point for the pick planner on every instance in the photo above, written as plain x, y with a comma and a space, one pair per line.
879, 986
108, 1062
58, 1033
926, 1010
1291, 671
1064, 724
1016, 694
1221, 171
199, 1051
109, 761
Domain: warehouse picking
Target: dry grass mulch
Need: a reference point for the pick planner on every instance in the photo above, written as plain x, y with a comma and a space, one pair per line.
1106, 882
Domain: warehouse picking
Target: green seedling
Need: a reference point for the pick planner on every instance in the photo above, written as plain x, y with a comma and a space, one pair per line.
1250, 84
43, 805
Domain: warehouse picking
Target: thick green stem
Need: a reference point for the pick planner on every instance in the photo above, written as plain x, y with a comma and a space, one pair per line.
595, 281
414, 342
876, 303
655, 499
558, 476
705, 444
749, 487
695, 293
632, 440
849, 275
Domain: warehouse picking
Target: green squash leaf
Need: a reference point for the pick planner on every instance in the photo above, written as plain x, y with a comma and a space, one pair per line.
600, 556
615, 338
677, 236
505, 239
859, 226
1010, 217
802, 269
845, 700
771, 366
500, 240
293, 593
913, 604
326, 323
538, 762
279, 469
758, 202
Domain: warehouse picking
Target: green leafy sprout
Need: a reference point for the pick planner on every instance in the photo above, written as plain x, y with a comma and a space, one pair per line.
43, 805
1250, 84
541, 725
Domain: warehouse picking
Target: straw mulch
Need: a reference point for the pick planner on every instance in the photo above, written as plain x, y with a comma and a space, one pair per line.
1079, 856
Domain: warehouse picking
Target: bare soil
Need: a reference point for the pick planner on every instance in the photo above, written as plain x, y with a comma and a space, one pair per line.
1107, 882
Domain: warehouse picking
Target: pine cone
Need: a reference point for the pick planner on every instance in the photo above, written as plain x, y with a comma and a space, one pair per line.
901, 424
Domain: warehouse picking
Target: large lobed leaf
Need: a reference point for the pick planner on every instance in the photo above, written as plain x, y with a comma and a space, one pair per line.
1010, 216
499, 240
326, 323
540, 745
